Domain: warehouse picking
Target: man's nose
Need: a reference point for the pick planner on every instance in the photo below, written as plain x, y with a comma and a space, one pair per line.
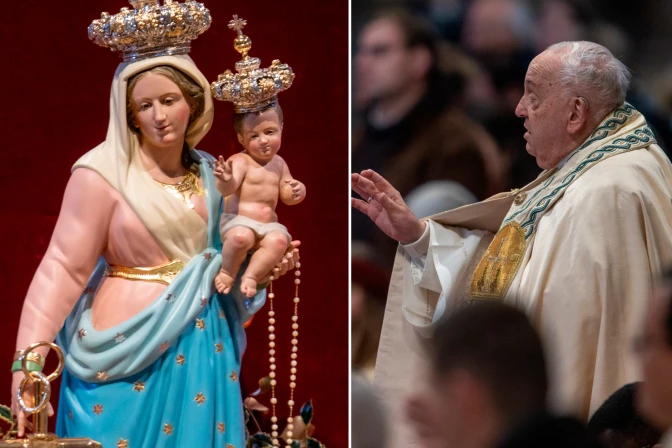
520, 109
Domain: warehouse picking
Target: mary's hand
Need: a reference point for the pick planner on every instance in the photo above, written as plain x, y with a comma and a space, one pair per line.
385, 207
289, 261
22, 418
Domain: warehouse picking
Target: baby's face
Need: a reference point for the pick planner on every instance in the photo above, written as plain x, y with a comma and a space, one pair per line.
262, 135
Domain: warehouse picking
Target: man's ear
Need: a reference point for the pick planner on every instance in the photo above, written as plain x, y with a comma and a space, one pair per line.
578, 114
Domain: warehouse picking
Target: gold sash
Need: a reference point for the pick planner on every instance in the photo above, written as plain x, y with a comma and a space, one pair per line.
499, 265
160, 274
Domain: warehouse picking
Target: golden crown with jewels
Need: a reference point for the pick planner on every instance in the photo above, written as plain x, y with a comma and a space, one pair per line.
251, 89
151, 29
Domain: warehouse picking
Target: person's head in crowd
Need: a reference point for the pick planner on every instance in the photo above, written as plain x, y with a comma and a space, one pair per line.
654, 397
368, 296
497, 28
437, 196
499, 35
660, 91
617, 424
576, 20
569, 89
369, 417
561, 21
488, 374
399, 58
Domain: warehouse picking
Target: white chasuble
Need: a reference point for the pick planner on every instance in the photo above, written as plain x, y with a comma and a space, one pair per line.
578, 249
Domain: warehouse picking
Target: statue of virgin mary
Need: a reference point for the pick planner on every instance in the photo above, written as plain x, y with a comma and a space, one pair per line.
153, 353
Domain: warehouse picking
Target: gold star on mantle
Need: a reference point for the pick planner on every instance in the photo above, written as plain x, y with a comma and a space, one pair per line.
180, 359
168, 429
221, 427
200, 398
207, 256
164, 346
219, 347
70, 415
139, 386
102, 376
204, 301
97, 409
81, 333
228, 445
221, 314
122, 443
169, 297
200, 324
119, 338
233, 376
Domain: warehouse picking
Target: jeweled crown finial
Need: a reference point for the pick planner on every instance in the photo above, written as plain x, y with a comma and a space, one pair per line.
252, 88
151, 29
242, 43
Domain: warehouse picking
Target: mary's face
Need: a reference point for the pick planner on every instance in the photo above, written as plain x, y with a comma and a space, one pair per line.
160, 111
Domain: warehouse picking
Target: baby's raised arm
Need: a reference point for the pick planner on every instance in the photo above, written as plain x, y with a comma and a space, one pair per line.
229, 174
292, 191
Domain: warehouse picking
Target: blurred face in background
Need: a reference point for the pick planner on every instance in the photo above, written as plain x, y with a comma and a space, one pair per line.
384, 64
357, 303
492, 27
557, 23
654, 397
453, 410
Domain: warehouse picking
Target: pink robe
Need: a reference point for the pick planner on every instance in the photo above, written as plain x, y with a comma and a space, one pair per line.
94, 220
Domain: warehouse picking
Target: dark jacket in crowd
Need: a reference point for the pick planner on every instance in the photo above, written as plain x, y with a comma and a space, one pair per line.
549, 431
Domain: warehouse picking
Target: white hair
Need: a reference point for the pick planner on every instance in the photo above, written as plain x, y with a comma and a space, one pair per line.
591, 66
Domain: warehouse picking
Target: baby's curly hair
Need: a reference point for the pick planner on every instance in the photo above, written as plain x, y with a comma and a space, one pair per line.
239, 119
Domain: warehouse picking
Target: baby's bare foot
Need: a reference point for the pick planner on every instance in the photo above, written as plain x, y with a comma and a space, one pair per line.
248, 286
223, 282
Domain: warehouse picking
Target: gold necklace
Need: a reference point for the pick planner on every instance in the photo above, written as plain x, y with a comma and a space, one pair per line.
184, 189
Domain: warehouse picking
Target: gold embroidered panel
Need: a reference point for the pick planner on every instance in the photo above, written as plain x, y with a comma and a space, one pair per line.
499, 264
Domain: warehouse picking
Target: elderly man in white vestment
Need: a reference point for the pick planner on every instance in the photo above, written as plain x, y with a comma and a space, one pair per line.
578, 248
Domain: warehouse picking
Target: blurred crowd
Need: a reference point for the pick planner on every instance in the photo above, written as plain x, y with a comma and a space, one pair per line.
487, 388
435, 87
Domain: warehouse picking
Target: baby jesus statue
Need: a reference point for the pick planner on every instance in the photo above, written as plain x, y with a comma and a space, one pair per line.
252, 181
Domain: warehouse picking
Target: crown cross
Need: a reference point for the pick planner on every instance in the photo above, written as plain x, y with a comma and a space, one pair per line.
237, 24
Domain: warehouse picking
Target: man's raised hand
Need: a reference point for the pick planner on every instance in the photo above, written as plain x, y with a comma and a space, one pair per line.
385, 207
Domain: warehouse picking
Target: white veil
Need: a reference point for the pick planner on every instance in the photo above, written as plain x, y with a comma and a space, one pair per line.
178, 230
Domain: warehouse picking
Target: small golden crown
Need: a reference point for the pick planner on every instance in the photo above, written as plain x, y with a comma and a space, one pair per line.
251, 89
150, 29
